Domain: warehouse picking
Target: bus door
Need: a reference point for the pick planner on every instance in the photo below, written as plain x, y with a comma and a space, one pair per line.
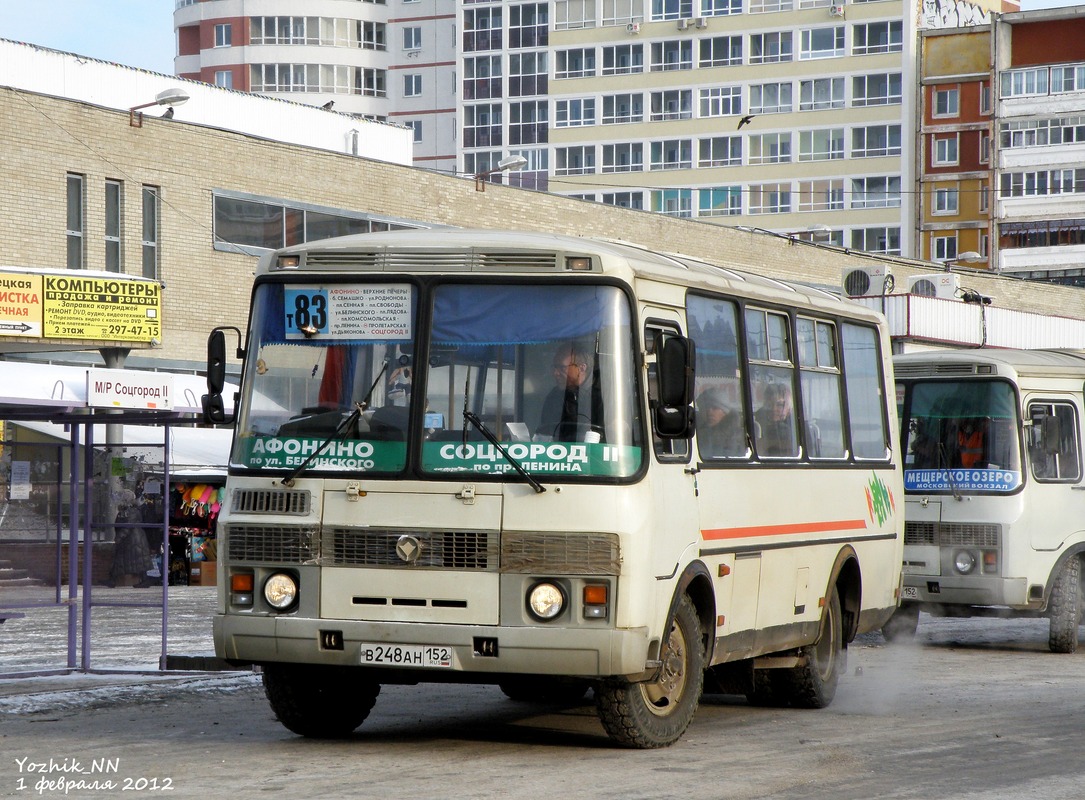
673, 485
1053, 442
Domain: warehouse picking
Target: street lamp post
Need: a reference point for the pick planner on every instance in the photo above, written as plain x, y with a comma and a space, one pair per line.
504, 165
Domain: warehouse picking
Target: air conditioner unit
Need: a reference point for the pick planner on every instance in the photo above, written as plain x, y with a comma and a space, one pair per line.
633, 27
683, 24
836, 10
701, 22
940, 284
865, 281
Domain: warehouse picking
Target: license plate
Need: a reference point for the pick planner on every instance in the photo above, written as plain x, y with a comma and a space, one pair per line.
909, 593
407, 655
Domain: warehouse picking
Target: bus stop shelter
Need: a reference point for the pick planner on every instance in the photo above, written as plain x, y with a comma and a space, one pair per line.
87, 459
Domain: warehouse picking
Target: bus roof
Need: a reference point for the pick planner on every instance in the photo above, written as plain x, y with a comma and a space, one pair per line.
1022, 362
493, 251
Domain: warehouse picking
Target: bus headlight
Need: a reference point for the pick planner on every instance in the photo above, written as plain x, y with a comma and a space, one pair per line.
281, 591
545, 600
964, 562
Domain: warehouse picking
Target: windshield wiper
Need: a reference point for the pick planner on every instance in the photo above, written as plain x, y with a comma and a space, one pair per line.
470, 416
949, 472
340, 429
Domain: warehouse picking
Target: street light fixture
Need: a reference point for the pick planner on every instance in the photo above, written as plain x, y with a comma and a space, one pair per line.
169, 97
967, 257
511, 163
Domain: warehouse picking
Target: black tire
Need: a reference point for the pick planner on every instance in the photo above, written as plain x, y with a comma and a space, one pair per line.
552, 691
902, 626
1064, 609
319, 702
656, 714
770, 689
813, 683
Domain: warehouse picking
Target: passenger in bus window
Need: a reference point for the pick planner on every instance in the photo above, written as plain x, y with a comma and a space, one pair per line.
573, 409
775, 423
719, 427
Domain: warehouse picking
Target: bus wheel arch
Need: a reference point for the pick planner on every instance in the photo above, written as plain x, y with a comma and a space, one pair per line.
847, 577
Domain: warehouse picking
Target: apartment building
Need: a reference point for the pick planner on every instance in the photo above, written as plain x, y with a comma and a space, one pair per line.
1002, 145
389, 60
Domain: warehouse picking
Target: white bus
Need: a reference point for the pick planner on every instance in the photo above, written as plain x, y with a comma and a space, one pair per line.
492, 457
994, 497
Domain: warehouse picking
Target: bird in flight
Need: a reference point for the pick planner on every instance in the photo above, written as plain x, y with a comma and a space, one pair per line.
746, 120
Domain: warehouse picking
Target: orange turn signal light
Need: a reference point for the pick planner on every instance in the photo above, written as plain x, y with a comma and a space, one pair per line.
241, 582
595, 594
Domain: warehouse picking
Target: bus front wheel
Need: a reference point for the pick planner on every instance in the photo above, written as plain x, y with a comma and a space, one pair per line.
319, 702
656, 714
1065, 608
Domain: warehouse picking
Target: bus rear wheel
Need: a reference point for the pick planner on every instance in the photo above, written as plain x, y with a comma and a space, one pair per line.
1065, 608
319, 702
813, 682
656, 714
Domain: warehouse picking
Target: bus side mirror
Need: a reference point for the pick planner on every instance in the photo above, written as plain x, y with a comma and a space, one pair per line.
675, 356
214, 409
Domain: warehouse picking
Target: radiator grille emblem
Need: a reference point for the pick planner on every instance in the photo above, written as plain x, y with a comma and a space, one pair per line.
408, 548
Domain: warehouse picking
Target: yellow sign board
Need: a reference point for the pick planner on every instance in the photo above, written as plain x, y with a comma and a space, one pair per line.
95, 307
20, 304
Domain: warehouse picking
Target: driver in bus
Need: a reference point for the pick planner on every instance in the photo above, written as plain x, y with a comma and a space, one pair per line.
574, 407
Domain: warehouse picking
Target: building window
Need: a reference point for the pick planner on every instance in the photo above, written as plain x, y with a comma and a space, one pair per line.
527, 122
945, 201
985, 203
882, 89
821, 43
224, 78
945, 151
770, 98
579, 160
528, 26
944, 248
671, 9
821, 195
824, 144
373, 36
720, 51
985, 98
623, 59
372, 82
875, 141
671, 154
720, 151
672, 104
947, 102
576, 63
770, 148
481, 77
671, 54
416, 126
985, 147
574, 113
770, 6
877, 240
1043, 131
1023, 82
622, 12
412, 38
770, 198
821, 93
482, 125
1069, 78
619, 108
481, 29
882, 191
223, 34
720, 101
877, 37
770, 48
113, 222
673, 202
624, 157
625, 199
76, 221
569, 14
720, 201
527, 74
412, 85
720, 8
151, 210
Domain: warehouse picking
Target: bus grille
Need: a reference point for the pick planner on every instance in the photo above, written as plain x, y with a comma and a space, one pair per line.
271, 501
276, 544
561, 553
953, 534
374, 547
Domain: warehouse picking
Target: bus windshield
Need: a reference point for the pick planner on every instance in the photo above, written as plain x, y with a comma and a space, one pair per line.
961, 437
547, 370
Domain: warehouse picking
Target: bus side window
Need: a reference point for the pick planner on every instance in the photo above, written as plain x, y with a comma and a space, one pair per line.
1053, 442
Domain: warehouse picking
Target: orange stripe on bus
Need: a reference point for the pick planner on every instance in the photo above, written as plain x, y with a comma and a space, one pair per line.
785, 530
